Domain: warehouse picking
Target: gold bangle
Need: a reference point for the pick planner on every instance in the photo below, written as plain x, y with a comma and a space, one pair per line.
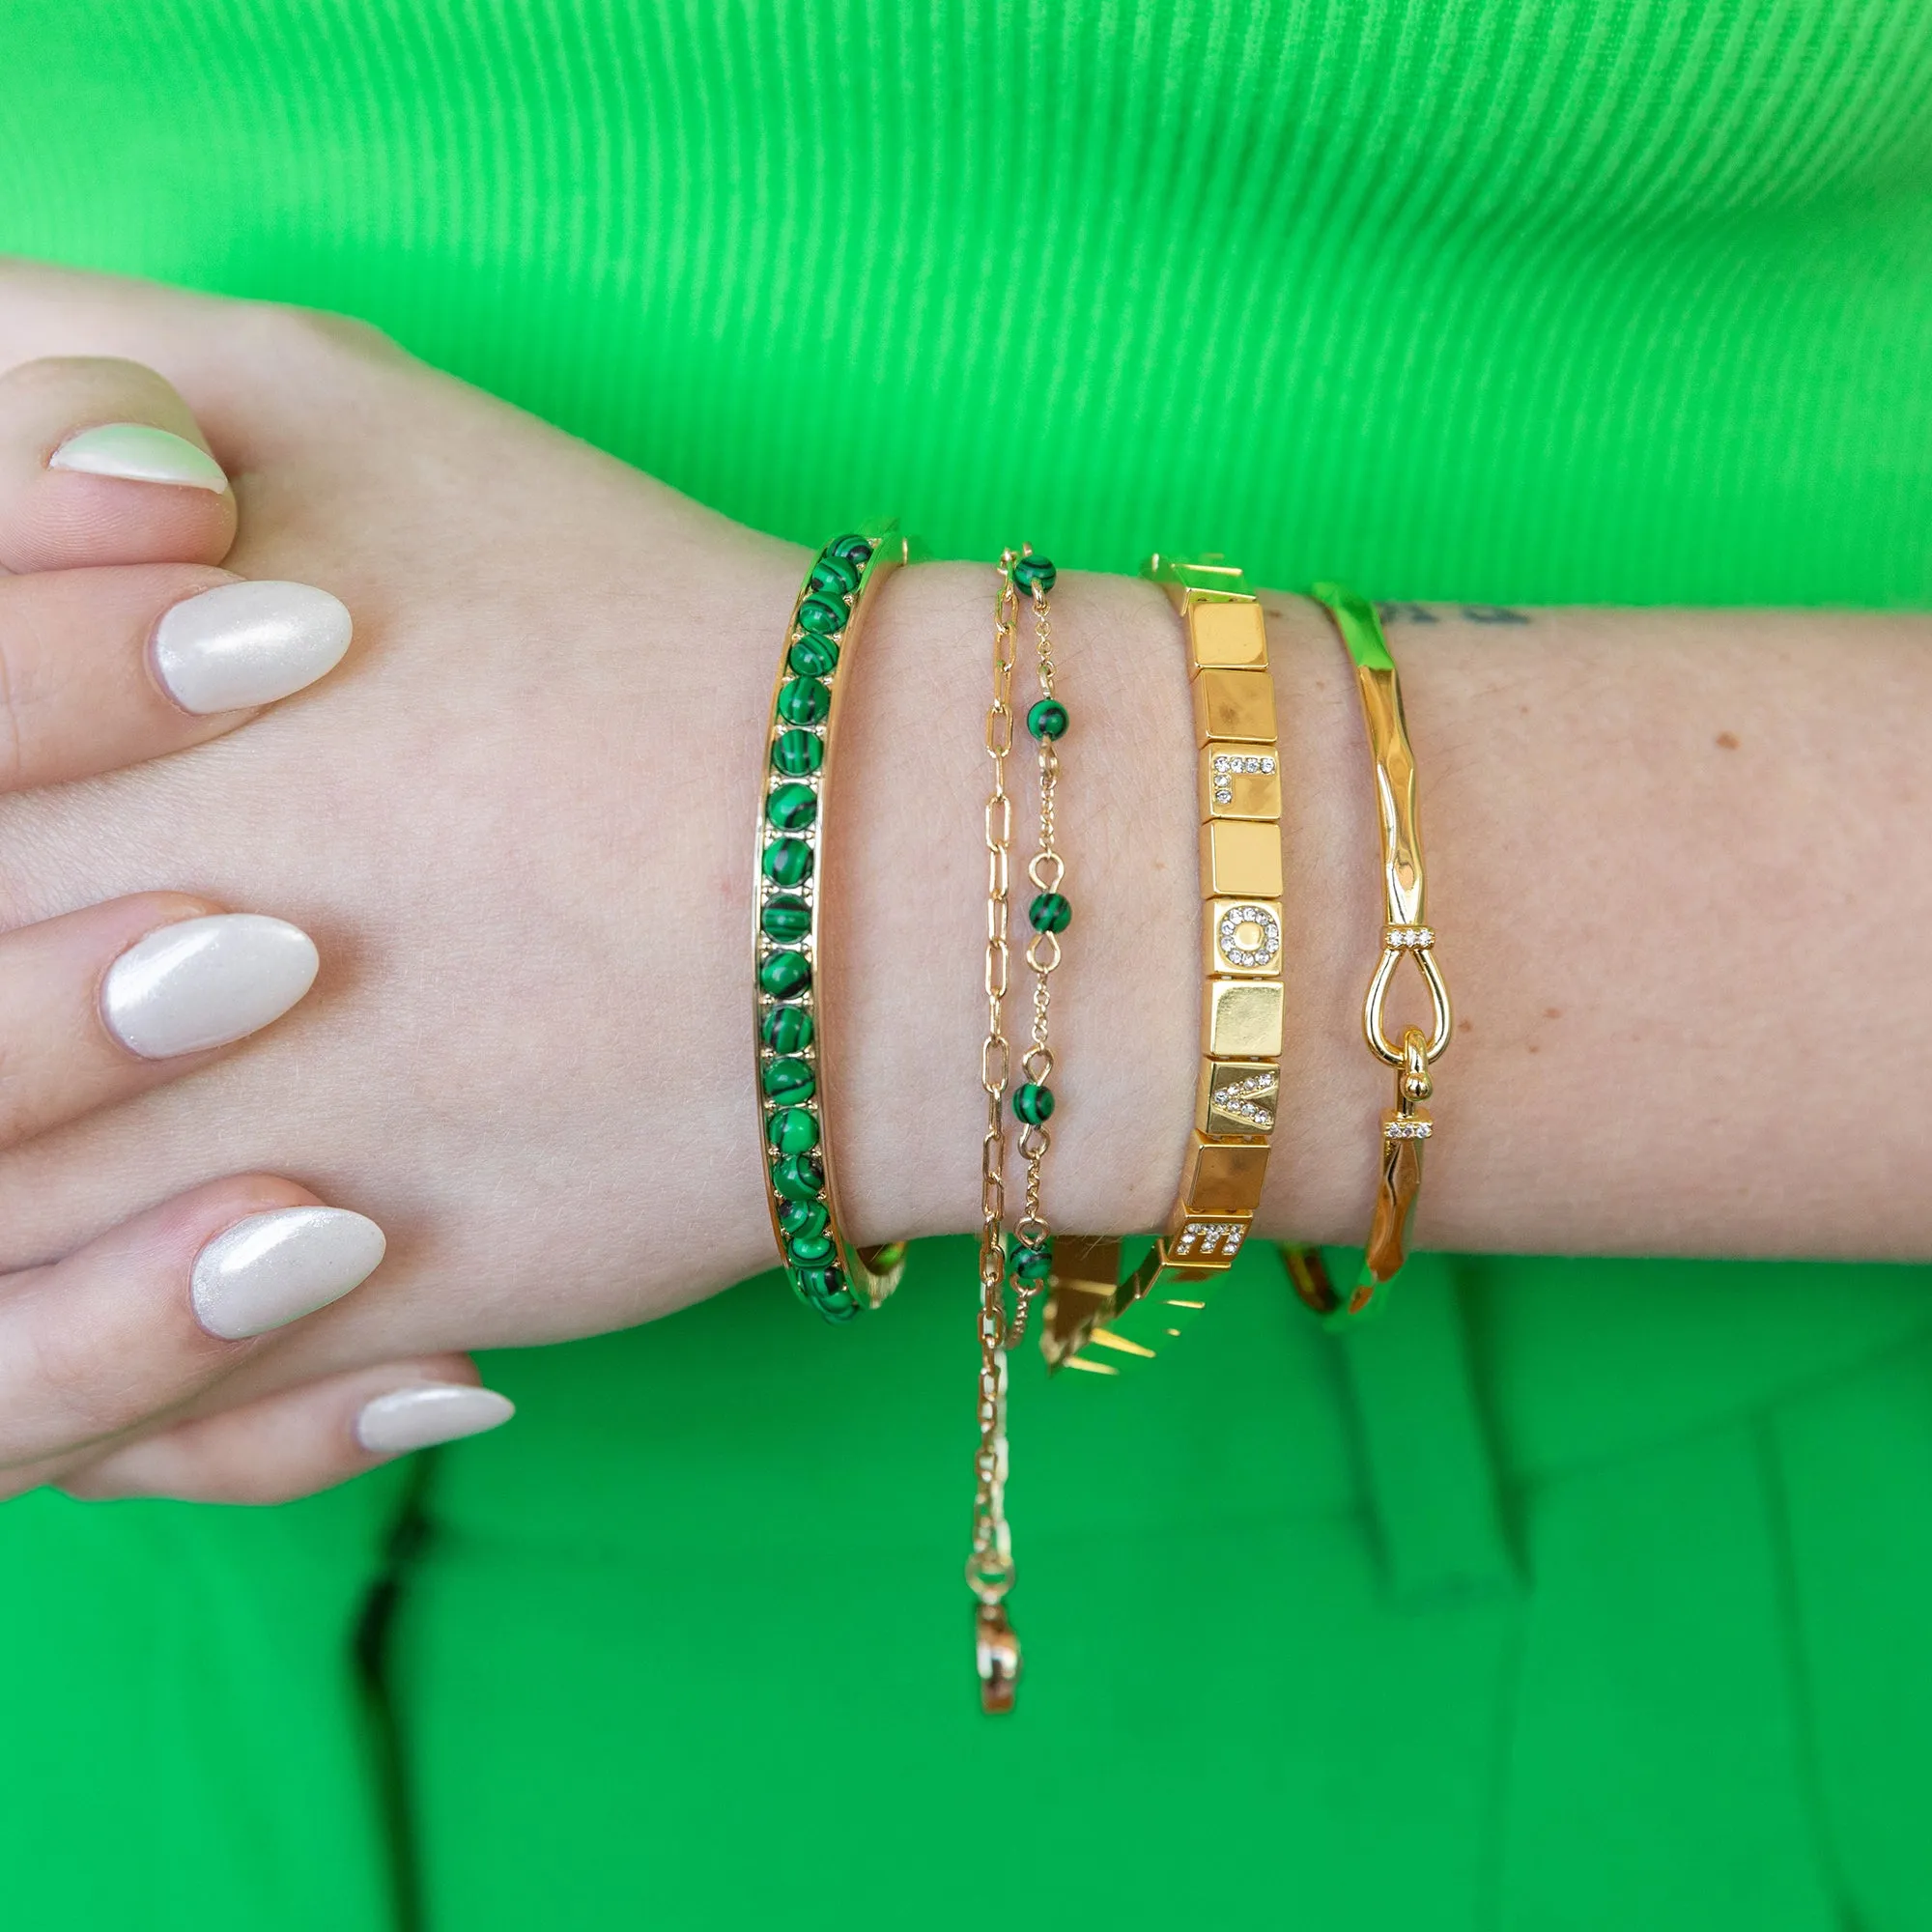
1406, 934
827, 1273
1096, 1321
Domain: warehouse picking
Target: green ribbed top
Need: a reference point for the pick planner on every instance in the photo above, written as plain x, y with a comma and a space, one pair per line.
1570, 1596
1524, 298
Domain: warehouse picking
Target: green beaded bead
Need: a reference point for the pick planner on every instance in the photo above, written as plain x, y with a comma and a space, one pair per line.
784, 974
1050, 912
788, 862
790, 1081
804, 1217
823, 617
1035, 576
837, 575
796, 752
804, 701
792, 1130
808, 1250
813, 657
785, 919
854, 550
791, 807
798, 1177
1033, 1103
1047, 718
1033, 1266
824, 1289
788, 1029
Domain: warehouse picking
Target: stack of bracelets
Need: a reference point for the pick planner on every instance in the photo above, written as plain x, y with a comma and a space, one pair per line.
1100, 1317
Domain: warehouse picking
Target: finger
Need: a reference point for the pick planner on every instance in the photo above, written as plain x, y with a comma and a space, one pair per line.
110, 1001
101, 462
101, 668
118, 1335
303, 1440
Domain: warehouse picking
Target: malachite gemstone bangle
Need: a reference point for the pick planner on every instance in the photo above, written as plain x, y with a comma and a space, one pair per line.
826, 1271
1406, 934
1099, 1319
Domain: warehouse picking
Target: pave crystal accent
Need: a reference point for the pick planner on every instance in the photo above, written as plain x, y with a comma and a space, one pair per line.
1260, 916
1398, 937
1207, 1238
1407, 1131
1241, 1100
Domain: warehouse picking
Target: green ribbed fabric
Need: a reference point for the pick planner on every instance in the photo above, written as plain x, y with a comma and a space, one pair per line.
1592, 1597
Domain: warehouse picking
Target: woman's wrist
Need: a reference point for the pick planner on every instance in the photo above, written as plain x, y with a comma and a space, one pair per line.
904, 1000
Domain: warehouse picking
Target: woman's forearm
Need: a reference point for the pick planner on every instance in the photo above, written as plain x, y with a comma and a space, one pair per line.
1674, 870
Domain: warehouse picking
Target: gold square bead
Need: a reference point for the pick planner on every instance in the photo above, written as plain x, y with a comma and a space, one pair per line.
1239, 781
1237, 704
1221, 1177
1236, 1097
1240, 1019
1230, 636
1203, 1242
1252, 926
1241, 859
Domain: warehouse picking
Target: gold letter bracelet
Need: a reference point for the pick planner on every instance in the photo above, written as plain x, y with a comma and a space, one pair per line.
1404, 1125
826, 1271
1094, 1321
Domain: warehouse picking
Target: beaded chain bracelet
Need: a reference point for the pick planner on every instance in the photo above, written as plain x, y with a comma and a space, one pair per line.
1096, 1321
989, 1569
827, 1273
1049, 915
1406, 935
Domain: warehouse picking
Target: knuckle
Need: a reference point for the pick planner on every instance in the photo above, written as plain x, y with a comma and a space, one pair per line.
312, 334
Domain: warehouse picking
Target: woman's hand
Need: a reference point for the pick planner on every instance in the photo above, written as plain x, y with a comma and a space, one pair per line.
518, 969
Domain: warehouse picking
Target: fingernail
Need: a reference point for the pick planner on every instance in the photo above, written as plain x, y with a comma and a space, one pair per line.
141, 454
202, 983
278, 1266
414, 1418
248, 643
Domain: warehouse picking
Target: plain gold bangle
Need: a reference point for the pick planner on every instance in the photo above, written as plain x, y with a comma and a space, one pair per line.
1096, 1320
1406, 934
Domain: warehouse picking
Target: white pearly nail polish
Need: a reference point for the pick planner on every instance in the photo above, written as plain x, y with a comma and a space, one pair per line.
248, 643
415, 1418
202, 983
139, 453
278, 1267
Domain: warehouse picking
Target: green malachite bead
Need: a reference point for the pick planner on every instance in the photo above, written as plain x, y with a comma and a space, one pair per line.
784, 974
1033, 1103
790, 1081
856, 550
810, 1250
1047, 718
1050, 912
813, 657
1033, 576
823, 617
788, 1029
798, 1177
791, 807
837, 575
824, 1289
792, 1130
804, 1217
796, 752
789, 862
785, 919
1033, 1266
805, 702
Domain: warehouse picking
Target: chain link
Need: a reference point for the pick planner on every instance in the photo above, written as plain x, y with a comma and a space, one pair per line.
989, 1570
